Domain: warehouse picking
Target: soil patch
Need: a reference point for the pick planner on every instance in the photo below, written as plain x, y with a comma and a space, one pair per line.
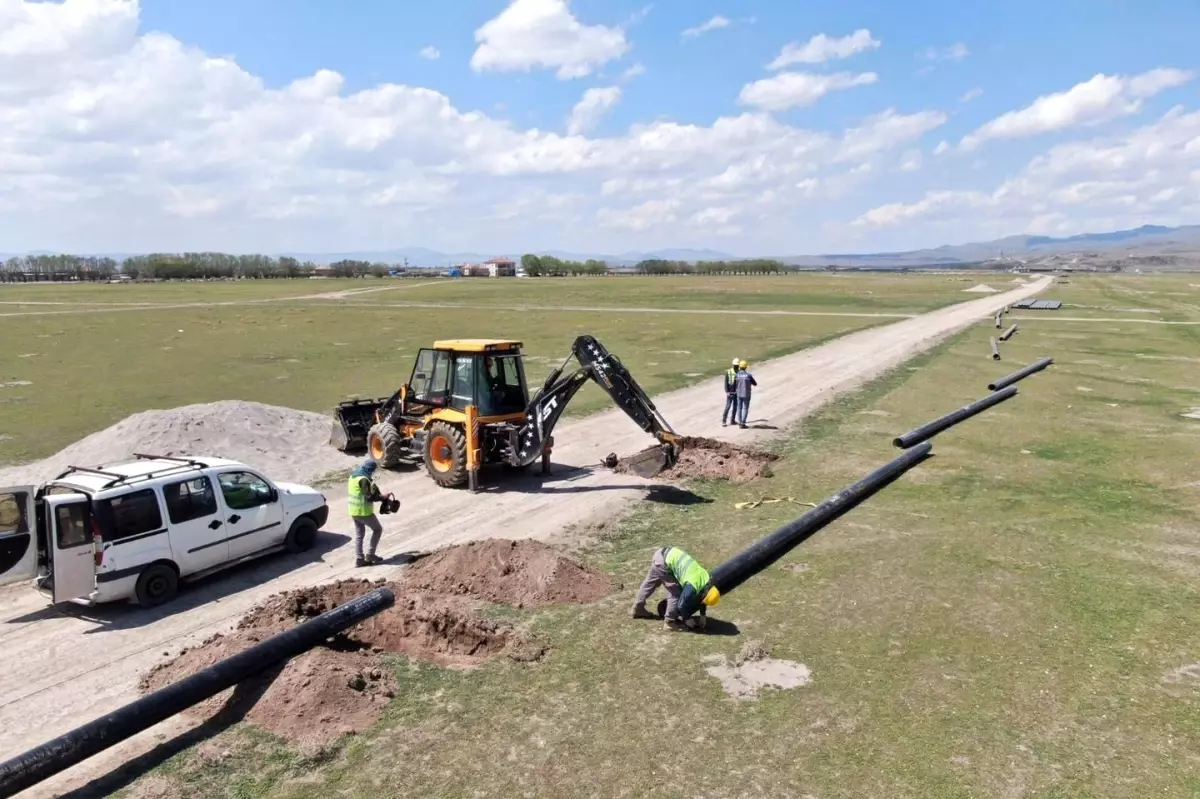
708, 458
289, 445
523, 574
982, 288
343, 687
753, 669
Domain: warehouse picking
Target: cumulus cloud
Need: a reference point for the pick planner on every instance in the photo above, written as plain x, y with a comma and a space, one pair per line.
955, 52
713, 24
796, 89
822, 48
971, 94
1149, 174
1100, 99
530, 34
430, 53
594, 104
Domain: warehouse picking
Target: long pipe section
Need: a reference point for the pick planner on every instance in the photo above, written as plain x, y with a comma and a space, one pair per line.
45, 761
1008, 380
995, 350
1007, 334
761, 554
930, 429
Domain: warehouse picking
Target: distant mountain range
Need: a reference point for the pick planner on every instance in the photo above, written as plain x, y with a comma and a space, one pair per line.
1148, 240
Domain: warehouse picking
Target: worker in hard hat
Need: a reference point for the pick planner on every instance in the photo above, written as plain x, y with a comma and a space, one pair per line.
364, 492
730, 411
682, 577
743, 382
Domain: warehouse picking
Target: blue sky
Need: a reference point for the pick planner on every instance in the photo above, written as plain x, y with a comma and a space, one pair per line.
262, 173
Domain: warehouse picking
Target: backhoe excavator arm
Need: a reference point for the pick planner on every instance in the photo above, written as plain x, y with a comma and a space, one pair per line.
606, 370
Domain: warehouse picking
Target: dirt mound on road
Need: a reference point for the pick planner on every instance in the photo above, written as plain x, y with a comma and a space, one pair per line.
288, 445
523, 574
707, 458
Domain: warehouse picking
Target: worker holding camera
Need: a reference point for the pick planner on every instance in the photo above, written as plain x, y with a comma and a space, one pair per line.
364, 493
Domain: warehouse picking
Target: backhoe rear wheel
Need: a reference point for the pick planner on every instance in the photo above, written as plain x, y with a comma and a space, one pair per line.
385, 444
446, 454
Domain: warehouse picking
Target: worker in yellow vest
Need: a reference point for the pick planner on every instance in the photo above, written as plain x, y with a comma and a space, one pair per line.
682, 577
363, 494
730, 411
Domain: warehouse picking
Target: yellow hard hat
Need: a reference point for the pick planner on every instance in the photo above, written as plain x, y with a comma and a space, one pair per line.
711, 597
743, 364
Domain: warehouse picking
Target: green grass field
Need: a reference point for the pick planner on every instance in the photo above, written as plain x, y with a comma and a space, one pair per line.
76, 368
1013, 618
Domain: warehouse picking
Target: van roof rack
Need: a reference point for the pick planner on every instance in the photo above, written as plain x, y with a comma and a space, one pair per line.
189, 461
181, 465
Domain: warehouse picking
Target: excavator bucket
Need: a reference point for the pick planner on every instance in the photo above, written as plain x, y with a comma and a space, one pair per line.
352, 421
649, 463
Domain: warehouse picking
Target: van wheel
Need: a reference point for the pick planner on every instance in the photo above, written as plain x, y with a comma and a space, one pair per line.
156, 585
302, 536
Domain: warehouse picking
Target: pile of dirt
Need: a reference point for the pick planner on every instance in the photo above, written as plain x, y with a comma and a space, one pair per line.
523, 574
982, 288
289, 445
707, 458
343, 687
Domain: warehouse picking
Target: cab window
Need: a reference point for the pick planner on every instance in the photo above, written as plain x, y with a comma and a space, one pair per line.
243, 490
130, 514
430, 381
463, 392
501, 387
188, 500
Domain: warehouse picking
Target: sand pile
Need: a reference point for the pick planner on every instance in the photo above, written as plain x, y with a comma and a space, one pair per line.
707, 458
288, 445
982, 288
343, 687
524, 574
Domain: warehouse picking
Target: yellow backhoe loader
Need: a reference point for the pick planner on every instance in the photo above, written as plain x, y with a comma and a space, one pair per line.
467, 404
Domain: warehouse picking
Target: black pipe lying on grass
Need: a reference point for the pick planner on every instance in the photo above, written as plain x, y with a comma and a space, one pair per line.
930, 429
761, 554
1021, 374
999, 316
45, 761
995, 349
1007, 334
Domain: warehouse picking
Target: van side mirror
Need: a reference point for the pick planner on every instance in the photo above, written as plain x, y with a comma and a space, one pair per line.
274, 494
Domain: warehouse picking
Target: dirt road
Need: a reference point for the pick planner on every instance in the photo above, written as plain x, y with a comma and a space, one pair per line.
64, 667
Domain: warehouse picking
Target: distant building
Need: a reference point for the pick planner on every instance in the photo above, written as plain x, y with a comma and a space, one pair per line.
501, 267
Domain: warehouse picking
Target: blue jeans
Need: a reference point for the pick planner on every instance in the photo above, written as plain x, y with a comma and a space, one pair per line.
730, 411
743, 409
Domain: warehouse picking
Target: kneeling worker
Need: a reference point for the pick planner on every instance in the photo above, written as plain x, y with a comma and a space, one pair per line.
682, 577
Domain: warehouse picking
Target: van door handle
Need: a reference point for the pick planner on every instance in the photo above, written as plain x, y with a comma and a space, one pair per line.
234, 519
214, 524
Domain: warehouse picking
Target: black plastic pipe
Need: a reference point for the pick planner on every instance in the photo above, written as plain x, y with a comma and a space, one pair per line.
50, 758
1007, 334
999, 316
995, 350
1008, 380
930, 429
761, 554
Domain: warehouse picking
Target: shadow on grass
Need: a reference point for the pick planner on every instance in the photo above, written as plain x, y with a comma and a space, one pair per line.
244, 697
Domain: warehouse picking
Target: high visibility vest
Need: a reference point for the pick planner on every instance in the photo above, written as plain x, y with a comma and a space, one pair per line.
686, 570
360, 505
730, 378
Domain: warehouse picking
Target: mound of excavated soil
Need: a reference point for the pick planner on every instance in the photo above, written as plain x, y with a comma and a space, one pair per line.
710, 459
288, 445
524, 574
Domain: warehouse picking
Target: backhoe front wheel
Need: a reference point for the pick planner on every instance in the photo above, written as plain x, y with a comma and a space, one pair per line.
446, 454
385, 444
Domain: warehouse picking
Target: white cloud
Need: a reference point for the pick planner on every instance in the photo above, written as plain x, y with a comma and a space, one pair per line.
942, 147
1105, 183
971, 94
430, 53
885, 131
545, 34
640, 217
822, 48
796, 89
633, 71
955, 52
711, 25
594, 104
911, 161
1100, 99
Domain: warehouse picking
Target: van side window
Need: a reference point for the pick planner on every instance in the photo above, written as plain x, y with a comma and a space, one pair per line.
131, 514
71, 523
243, 491
190, 499
12, 513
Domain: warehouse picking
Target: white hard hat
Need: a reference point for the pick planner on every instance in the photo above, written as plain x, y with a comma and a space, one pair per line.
736, 361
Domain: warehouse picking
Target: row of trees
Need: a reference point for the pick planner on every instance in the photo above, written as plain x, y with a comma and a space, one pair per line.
57, 267
751, 266
549, 266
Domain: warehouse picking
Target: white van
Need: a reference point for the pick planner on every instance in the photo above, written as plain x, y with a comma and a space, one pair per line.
132, 530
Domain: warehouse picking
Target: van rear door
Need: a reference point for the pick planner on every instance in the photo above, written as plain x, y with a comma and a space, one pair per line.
72, 546
18, 544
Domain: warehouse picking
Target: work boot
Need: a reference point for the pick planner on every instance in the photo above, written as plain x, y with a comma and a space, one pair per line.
640, 612
672, 625
360, 562
374, 559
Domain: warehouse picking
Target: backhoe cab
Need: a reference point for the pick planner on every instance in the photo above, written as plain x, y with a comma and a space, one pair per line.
467, 404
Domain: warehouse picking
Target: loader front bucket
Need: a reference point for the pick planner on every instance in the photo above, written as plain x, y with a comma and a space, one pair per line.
653, 461
352, 421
